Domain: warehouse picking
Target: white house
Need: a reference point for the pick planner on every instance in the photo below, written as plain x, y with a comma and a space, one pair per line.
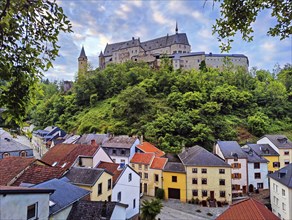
231, 152
281, 192
282, 145
121, 148
126, 187
24, 203
257, 169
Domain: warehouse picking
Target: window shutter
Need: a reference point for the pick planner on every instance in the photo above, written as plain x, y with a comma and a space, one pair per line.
239, 165
239, 176
232, 175
232, 165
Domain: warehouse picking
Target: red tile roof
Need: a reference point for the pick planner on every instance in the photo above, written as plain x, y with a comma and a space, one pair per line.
10, 167
146, 147
143, 158
248, 209
38, 174
112, 168
66, 154
158, 163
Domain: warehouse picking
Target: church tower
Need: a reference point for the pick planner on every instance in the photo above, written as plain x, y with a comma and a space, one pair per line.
82, 61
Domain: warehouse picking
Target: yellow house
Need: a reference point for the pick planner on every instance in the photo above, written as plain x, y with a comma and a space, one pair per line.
282, 145
208, 178
141, 162
174, 181
98, 181
267, 152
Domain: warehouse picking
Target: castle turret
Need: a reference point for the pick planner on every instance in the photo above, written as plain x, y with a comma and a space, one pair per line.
82, 61
101, 61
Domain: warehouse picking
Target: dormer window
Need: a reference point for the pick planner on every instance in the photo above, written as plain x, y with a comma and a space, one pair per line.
4, 155
22, 154
54, 164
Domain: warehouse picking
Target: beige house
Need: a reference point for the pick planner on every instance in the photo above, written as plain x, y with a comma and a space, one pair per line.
98, 181
281, 192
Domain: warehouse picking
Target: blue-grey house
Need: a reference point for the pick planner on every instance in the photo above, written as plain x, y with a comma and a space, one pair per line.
63, 198
10, 147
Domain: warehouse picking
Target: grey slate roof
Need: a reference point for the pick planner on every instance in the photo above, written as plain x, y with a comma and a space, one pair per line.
230, 148
9, 145
263, 149
82, 53
198, 156
84, 176
86, 138
174, 167
161, 42
283, 175
121, 141
280, 141
65, 194
252, 157
85, 210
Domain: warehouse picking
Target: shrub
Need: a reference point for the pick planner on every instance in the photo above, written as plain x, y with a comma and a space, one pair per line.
160, 193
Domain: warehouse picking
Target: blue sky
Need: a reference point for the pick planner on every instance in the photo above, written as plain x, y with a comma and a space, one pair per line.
97, 22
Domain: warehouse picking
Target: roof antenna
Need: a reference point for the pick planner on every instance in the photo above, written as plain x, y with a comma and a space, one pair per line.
176, 28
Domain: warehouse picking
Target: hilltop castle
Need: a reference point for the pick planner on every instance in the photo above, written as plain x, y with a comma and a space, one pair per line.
176, 47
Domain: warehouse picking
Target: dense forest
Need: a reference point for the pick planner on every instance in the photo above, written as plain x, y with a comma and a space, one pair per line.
172, 109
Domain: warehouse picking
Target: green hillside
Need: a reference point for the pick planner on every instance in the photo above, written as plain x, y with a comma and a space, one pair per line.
172, 109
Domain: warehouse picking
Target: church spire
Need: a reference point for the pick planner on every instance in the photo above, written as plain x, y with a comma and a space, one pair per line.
82, 53
176, 28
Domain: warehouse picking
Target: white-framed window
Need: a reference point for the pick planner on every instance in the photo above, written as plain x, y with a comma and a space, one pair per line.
283, 206
283, 192
32, 211
119, 196
130, 177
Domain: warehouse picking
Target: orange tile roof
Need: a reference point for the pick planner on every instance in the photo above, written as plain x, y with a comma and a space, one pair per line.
158, 163
10, 167
143, 158
248, 209
38, 174
66, 154
146, 147
112, 168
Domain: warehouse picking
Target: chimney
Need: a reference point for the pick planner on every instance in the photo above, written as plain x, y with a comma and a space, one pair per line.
93, 142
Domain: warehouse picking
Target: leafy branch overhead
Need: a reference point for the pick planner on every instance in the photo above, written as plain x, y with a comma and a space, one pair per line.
29, 31
238, 16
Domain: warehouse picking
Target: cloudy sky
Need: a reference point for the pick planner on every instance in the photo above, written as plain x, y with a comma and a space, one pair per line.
97, 22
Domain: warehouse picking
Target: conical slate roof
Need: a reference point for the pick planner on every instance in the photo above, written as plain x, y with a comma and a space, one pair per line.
82, 53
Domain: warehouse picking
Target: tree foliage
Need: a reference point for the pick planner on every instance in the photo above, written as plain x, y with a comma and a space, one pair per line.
238, 16
172, 109
29, 32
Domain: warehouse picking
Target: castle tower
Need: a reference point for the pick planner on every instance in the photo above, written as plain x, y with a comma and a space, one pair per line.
82, 61
101, 61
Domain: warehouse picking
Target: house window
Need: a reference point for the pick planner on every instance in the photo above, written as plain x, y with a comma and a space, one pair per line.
134, 203
119, 196
260, 185
140, 167
283, 206
236, 165
276, 164
256, 165
257, 175
130, 177
133, 165
195, 192
32, 211
145, 175
286, 152
109, 184
283, 192
222, 171
204, 193
99, 191
123, 152
195, 181
5, 155
204, 170
286, 162
235, 187
114, 151
222, 182
236, 176
146, 167
204, 181
156, 177
22, 154
222, 193
174, 179
195, 170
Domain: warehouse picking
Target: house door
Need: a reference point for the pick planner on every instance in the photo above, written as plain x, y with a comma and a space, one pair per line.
145, 188
212, 195
173, 193
244, 189
250, 188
